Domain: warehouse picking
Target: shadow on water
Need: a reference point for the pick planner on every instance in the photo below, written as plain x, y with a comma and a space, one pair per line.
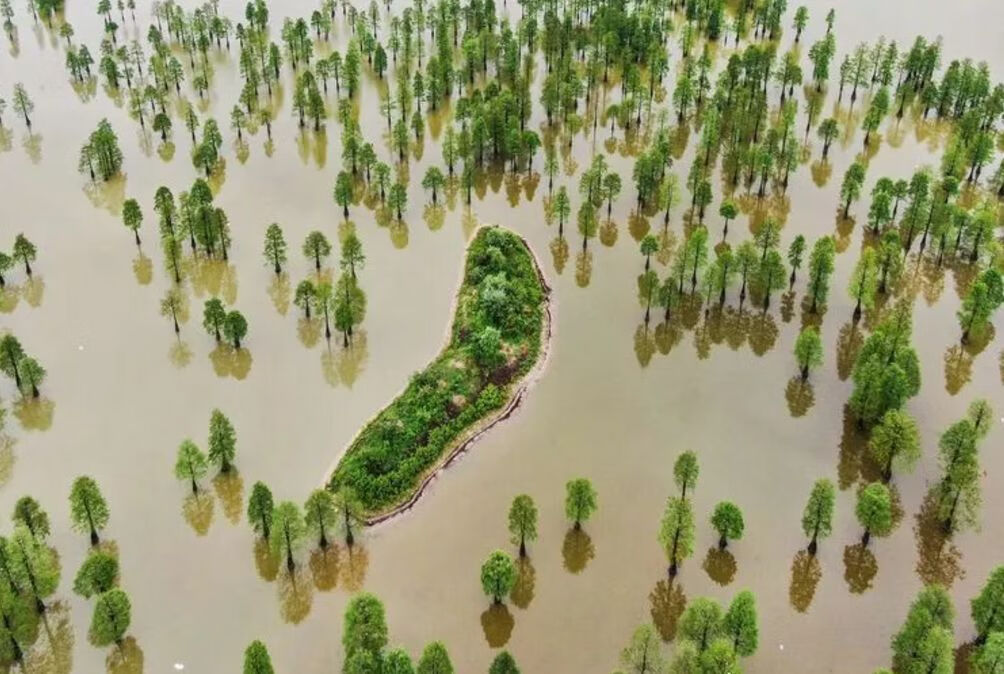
324, 567
853, 445
799, 395
805, 575
497, 623
7, 458
345, 365
279, 292
33, 291
35, 414
849, 342
559, 253
309, 331
230, 362
54, 653
938, 560
583, 268
577, 550
197, 509
126, 658
265, 562
142, 269
296, 595
526, 580
860, 568
354, 567
230, 490
720, 565
644, 344
180, 354
667, 602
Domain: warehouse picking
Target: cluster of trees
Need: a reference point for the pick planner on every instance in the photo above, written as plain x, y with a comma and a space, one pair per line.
26, 371
926, 640
498, 573
495, 339
29, 576
192, 464
676, 530
21, 102
23, 252
708, 639
342, 304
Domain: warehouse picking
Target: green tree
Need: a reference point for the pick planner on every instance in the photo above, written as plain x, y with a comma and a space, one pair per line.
931, 610
580, 501
740, 624
6, 263
808, 350
365, 627
523, 522
22, 104
214, 317
498, 575
433, 180
235, 327
88, 509
676, 532
728, 210
320, 515
864, 282
30, 514
288, 533
172, 305
850, 188
304, 297
111, 618
990, 658
257, 659
828, 132
397, 199
701, 622
11, 353
685, 472
191, 464
132, 217
102, 148
32, 565
25, 251
985, 295
316, 247
32, 375
642, 654
987, 608
98, 574
350, 511
352, 254
434, 660
260, 509
817, 519
874, 511
895, 441
561, 207
820, 269
343, 192
727, 519
222, 441
649, 246
275, 247
503, 663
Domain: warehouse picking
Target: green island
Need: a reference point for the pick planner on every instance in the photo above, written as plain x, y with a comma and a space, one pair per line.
500, 327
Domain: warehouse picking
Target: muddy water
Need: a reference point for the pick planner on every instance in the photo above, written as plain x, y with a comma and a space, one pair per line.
615, 403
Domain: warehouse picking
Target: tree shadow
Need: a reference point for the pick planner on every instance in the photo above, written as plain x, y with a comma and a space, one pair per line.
279, 292
398, 234
53, 655
763, 333
296, 596
127, 658
577, 550
849, 343
197, 509
230, 490
265, 562
230, 362
583, 268
860, 568
964, 654
180, 354
799, 395
354, 568
497, 623
35, 414
720, 565
324, 567
343, 366
559, 253
434, 217
644, 345
142, 269
805, 575
309, 331
526, 580
667, 602
938, 560
608, 233
853, 444
958, 369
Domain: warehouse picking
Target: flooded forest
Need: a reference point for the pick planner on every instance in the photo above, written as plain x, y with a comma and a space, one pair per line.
634, 336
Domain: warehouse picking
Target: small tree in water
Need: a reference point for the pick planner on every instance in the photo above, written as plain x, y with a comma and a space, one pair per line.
523, 522
817, 520
257, 659
676, 533
580, 501
685, 472
350, 512
320, 515
498, 575
808, 350
97, 575
111, 618
191, 464
88, 509
222, 441
288, 533
727, 519
874, 511
235, 328
260, 508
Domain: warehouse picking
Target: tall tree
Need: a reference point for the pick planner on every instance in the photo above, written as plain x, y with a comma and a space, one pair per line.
275, 247
111, 618
685, 472
817, 519
320, 515
498, 575
132, 217
895, 441
580, 500
191, 464
222, 441
260, 509
88, 509
727, 519
874, 511
676, 532
287, 533
523, 522
257, 659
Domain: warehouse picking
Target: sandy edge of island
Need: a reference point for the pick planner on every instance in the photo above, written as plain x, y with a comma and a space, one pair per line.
520, 388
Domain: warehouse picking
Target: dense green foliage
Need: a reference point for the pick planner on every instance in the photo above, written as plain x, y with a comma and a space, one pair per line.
501, 290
